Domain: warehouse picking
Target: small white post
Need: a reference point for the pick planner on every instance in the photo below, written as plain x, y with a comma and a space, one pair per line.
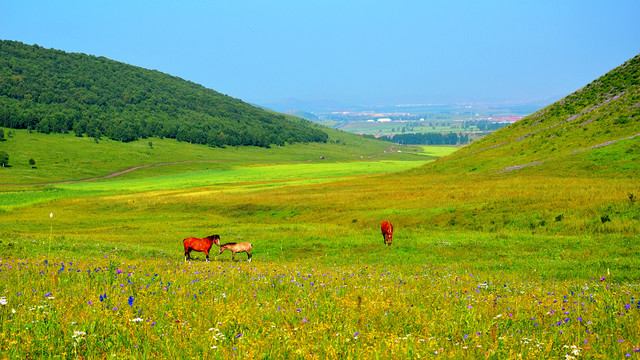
50, 233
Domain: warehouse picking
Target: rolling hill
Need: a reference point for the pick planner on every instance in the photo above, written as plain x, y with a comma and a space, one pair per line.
52, 91
593, 132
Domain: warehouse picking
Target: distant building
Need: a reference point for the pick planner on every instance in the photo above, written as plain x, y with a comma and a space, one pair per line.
384, 120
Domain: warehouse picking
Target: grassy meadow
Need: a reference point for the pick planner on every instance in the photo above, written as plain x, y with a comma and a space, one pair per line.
505, 265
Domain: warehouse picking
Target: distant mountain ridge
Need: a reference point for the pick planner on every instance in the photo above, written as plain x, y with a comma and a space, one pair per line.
594, 131
53, 91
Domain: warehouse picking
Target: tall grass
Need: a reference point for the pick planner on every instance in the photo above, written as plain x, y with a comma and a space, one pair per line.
499, 266
163, 307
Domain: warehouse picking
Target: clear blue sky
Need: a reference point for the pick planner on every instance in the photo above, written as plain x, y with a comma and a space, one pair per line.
355, 52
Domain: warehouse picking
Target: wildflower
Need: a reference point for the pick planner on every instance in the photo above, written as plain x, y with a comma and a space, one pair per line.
355, 336
118, 271
3, 301
304, 320
239, 335
130, 300
78, 335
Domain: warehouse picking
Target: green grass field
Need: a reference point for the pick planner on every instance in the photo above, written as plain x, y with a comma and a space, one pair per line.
505, 265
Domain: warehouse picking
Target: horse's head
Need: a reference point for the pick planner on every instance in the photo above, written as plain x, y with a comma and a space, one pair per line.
216, 239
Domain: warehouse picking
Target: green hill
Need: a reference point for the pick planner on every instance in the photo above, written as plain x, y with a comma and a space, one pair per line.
52, 91
594, 131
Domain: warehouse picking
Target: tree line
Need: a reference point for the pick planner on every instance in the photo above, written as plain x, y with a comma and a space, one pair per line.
451, 138
53, 91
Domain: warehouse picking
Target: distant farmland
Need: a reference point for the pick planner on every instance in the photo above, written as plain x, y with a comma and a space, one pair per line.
468, 122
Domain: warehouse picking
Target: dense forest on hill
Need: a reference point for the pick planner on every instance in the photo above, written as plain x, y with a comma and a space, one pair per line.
53, 91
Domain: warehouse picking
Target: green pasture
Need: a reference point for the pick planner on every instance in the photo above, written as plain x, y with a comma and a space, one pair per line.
231, 179
64, 157
502, 266
437, 151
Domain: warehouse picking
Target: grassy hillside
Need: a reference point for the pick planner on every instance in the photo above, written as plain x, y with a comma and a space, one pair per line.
53, 91
592, 132
64, 157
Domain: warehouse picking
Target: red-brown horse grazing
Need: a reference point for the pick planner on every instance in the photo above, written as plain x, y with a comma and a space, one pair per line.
387, 232
197, 244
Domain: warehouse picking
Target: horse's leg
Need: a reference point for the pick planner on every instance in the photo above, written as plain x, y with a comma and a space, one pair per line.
249, 255
206, 252
233, 257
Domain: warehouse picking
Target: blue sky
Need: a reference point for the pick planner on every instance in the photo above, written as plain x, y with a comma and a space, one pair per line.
352, 52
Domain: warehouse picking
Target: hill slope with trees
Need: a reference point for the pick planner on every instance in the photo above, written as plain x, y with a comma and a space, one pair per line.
53, 91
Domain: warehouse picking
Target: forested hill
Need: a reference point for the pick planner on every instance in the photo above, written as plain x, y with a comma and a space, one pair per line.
53, 91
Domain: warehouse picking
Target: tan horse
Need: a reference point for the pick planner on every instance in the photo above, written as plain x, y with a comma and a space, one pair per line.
235, 248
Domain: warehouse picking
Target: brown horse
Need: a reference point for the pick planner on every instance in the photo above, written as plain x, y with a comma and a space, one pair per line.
197, 244
387, 232
235, 248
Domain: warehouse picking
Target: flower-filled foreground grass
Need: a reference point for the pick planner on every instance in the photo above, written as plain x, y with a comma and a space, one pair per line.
164, 308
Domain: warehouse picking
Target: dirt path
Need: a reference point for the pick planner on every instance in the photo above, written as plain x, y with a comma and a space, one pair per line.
121, 172
117, 173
